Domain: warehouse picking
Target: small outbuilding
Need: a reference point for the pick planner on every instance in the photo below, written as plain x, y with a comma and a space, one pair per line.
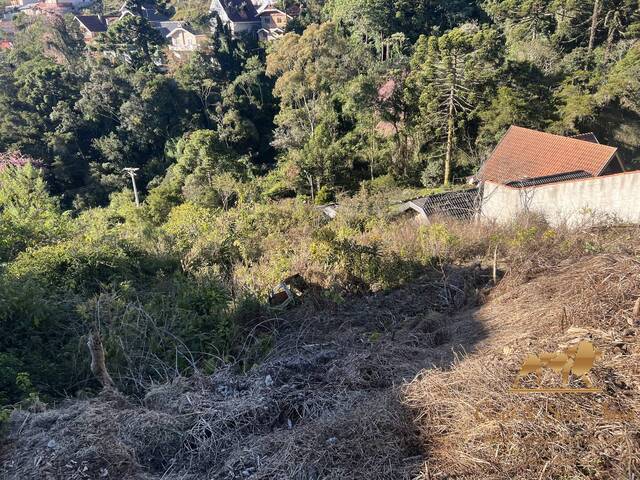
461, 205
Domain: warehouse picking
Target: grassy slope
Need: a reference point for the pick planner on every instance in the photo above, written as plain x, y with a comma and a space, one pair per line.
334, 398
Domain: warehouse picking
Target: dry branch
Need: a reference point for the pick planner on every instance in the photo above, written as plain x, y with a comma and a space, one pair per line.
98, 362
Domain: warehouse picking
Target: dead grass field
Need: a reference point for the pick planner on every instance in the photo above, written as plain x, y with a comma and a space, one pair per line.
400, 384
474, 428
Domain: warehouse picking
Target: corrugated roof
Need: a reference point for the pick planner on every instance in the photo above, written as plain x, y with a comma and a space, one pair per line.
461, 205
587, 137
562, 177
524, 154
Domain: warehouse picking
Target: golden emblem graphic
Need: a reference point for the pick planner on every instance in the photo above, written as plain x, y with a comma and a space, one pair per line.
577, 361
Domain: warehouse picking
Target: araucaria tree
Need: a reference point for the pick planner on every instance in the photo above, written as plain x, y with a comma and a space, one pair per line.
448, 78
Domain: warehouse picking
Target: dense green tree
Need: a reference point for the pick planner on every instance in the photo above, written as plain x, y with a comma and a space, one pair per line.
622, 84
29, 216
202, 174
312, 69
133, 41
524, 97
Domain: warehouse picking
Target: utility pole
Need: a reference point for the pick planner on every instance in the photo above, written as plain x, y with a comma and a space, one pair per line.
132, 174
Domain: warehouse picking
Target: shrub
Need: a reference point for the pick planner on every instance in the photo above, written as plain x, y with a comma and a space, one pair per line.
85, 267
432, 175
29, 216
437, 241
325, 195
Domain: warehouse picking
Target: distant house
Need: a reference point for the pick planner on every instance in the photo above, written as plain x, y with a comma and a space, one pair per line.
184, 39
49, 8
180, 35
527, 157
52, 6
91, 26
148, 11
22, 3
240, 16
273, 21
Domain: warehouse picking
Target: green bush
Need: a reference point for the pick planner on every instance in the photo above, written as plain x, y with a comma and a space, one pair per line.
29, 216
85, 267
439, 242
325, 195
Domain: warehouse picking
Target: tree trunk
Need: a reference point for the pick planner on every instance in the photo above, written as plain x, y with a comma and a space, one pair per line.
450, 128
610, 35
98, 363
594, 24
373, 150
313, 197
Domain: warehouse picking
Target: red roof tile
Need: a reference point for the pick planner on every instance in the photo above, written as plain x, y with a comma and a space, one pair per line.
524, 153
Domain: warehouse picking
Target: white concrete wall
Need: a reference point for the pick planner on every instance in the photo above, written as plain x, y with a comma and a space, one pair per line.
576, 202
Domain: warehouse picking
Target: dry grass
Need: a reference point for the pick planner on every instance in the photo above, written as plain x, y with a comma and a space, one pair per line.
334, 398
474, 428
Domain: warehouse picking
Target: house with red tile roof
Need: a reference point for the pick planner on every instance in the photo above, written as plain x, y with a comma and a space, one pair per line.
571, 181
535, 158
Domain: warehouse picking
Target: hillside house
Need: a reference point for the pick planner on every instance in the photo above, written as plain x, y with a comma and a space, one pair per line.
527, 157
274, 21
184, 39
23, 3
180, 36
91, 26
48, 8
240, 16
148, 11
75, 4
568, 180
52, 7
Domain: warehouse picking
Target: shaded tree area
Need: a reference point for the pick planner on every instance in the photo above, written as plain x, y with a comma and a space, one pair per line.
436, 85
88, 113
357, 89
